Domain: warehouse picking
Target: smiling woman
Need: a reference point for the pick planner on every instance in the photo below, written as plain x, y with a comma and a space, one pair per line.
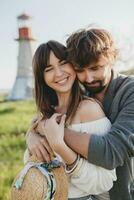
59, 75
55, 80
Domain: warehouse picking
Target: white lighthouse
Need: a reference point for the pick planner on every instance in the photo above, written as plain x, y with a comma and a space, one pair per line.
23, 85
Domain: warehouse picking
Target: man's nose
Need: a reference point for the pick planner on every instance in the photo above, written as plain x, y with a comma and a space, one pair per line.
89, 77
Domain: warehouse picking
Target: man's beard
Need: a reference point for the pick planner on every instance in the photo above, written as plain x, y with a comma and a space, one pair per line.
94, 90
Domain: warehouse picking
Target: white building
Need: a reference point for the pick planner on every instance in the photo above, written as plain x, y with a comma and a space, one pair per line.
23, 85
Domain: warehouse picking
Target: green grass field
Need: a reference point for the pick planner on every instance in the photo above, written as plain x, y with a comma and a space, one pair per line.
15, 118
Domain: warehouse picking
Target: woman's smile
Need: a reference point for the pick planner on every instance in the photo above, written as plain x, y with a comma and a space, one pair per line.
62, 81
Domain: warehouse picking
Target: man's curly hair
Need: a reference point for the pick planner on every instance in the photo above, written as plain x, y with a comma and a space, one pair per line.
85, 46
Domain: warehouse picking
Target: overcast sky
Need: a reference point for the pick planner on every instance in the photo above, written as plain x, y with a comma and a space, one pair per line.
54, 19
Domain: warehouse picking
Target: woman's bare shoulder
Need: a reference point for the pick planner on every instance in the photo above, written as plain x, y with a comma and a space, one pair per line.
90, 110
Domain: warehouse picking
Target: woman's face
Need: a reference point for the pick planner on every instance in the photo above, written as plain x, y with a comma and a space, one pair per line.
59, 75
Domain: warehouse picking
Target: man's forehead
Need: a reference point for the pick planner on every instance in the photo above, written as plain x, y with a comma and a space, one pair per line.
100, 62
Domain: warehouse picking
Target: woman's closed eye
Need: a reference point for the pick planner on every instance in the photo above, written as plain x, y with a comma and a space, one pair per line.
50, 67
47, 69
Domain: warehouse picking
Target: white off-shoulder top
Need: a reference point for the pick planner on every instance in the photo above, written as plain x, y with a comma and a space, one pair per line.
89, 178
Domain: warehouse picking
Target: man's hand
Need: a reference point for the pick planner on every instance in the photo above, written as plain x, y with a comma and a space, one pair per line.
39, 147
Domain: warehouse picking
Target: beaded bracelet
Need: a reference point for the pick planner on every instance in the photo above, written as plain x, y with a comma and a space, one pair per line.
69, 171
75, 172
72, 164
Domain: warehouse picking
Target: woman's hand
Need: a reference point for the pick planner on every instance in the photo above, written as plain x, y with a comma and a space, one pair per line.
54, 131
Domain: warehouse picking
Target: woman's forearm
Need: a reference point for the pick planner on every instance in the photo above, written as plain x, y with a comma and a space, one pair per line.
66, 153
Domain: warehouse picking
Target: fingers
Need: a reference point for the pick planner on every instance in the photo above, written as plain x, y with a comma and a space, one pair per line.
59, 118
62, 122
45, 155
55, 118
38, 155
55, 115
39, 147
39, 128
41, 154
46, 145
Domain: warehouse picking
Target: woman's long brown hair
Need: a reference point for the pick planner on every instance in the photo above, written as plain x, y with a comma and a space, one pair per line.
46, 98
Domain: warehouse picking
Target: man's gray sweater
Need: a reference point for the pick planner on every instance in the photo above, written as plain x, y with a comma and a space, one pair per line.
116, 149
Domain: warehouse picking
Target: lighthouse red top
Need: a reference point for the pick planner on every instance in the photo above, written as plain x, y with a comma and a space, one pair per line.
24, 29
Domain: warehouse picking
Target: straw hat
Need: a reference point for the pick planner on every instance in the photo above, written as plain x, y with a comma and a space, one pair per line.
35, 185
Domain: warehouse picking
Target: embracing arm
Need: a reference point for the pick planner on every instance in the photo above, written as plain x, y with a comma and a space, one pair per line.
109, 151
89, 110
77, 141
87, 177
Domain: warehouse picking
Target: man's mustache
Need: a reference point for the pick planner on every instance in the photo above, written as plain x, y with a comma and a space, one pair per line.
93, 82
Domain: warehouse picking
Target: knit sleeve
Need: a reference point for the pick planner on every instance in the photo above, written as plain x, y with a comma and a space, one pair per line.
112, 149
